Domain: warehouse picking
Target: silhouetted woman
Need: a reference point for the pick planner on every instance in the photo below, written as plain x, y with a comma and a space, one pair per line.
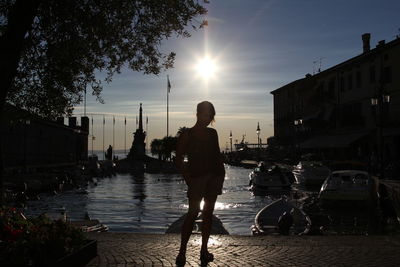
203, 173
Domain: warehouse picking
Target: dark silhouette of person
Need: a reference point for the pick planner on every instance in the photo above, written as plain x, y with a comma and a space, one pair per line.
385, 205
285, 221
109, 152
203, 173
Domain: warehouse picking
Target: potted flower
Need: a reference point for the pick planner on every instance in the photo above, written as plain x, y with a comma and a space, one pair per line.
41, 241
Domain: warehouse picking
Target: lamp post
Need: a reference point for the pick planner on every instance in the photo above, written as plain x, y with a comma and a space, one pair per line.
258, 140
379, 102
230, 139
297, 124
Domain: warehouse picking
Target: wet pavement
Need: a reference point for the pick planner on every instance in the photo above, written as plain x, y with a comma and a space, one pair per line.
129, 249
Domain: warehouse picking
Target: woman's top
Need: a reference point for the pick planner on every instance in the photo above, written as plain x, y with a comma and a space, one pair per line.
203, 154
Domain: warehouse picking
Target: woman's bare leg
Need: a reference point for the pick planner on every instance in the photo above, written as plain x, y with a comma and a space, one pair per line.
187, 227
208, 209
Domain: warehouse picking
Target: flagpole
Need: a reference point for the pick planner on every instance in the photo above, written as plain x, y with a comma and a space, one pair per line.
125, 138
104, 123
113, 146
167, 106
84, 106
147, 132
168, 89
92, 136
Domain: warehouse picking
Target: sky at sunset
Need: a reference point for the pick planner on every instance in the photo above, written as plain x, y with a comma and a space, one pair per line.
257, 46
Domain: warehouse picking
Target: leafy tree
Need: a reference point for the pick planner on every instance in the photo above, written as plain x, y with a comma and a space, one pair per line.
163, 147
168, 146
156, 148
50, 50
182, 130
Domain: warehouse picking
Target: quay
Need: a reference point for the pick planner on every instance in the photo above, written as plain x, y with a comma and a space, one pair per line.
130, 249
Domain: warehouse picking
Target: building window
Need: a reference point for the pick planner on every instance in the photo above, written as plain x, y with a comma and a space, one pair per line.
351, 115
358, 79
387, 74
342, 84
350, 82
386, 57
321, 90
372, 74
331, 88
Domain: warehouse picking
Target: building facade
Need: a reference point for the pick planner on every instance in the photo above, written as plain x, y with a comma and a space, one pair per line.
349, 111
30, 141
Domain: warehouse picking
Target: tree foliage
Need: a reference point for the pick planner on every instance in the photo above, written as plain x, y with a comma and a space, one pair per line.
156, 148
181, 130
69, 41
163, 147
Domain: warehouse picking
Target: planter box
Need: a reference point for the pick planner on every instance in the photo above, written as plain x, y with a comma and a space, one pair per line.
80, 257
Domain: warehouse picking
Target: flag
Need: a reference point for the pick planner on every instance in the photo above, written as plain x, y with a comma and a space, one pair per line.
125, 120
113, 120
147, 120
104, 120
168, 84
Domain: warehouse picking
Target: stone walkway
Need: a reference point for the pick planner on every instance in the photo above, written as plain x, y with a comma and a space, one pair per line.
128, 249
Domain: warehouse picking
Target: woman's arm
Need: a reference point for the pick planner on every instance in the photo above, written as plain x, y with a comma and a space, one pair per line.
219, 158
180, 152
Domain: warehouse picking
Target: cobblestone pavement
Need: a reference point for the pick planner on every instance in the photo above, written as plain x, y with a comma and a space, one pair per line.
127, 249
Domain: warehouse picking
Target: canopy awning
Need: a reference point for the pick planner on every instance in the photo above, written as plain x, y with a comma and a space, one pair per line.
332, 141
391, 131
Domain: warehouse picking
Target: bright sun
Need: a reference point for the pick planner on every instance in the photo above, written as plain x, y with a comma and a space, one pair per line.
206, 67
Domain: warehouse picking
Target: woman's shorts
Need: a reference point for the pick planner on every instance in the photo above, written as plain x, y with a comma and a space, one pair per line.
205, 185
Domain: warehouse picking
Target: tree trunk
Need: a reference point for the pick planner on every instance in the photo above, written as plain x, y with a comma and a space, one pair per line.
20, 20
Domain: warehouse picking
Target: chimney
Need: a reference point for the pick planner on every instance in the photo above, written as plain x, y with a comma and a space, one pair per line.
72, 122
366, 38
381, 43
60, 120
85, 124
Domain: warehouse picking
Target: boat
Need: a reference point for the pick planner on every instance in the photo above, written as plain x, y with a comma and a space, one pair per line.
248, 164
310, 173
280, 214
90, 225
86, 224
92, 167
217, 228
346, 186
265, 179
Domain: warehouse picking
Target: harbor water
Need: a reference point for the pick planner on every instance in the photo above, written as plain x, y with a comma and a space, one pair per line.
149, 203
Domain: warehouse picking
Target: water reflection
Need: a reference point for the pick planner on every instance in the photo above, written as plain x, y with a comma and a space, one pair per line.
139, 186
218, 205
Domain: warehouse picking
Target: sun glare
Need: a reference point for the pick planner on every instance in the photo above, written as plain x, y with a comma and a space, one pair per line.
206, 67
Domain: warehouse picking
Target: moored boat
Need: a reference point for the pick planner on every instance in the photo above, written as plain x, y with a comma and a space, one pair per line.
265, 179
310, 173
86, 224
281, 216
346, 186
248, 164
90, 226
